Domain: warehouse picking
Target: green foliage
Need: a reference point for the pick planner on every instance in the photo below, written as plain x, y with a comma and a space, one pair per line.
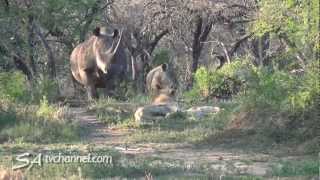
299, 20
46, 110
7, 113
222, 82
13, 85
296, 168
280, 90
161, 56
308, 88
267, 89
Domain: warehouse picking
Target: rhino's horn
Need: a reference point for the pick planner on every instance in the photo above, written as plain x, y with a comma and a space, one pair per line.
112, 51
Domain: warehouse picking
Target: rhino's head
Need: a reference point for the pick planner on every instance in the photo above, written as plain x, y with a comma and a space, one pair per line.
163, 82
105, 47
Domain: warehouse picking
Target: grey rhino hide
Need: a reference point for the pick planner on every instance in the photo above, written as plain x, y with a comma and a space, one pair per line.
159, 81
98, 60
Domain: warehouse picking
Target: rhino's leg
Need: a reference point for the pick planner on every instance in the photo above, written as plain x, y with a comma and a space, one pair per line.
109, 88
88, 80
92, 92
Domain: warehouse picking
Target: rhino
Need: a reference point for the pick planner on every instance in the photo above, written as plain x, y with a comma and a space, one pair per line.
98, 61
159, 82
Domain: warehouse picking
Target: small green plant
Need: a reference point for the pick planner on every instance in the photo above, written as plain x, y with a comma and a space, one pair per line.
45, 109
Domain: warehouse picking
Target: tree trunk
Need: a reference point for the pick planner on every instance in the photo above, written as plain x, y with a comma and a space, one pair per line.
31, 43
20, 65
51, 61
196, 46
200, 35
259, 49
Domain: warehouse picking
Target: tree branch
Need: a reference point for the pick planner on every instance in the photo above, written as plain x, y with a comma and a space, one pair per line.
155, 41
237, 44
90, 17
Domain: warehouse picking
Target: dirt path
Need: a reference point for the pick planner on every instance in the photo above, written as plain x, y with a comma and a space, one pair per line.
222, 160
98, 132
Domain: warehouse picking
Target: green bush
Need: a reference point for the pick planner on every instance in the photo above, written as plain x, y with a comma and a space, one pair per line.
280, 90
307, 89
223, 82
13, 85
161, 56
7, 113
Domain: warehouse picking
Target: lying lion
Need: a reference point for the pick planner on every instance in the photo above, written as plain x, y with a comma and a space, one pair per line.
161, 107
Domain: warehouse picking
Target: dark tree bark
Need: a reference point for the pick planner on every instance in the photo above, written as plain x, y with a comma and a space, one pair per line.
21, 65
51, 61
199, 36
230, 52
31, 43
156, 40
260, 45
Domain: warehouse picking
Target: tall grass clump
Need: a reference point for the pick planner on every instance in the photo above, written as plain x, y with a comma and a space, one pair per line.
42, 123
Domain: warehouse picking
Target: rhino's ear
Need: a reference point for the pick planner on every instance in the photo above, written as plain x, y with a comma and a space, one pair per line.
96, 31
115, 33
164, 66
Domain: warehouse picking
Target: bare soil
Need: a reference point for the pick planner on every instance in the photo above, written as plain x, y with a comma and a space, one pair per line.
225, 161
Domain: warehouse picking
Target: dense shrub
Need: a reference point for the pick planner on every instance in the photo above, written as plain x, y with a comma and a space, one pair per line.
280, 90
278, 101
13, 85
161, 56
223, 82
